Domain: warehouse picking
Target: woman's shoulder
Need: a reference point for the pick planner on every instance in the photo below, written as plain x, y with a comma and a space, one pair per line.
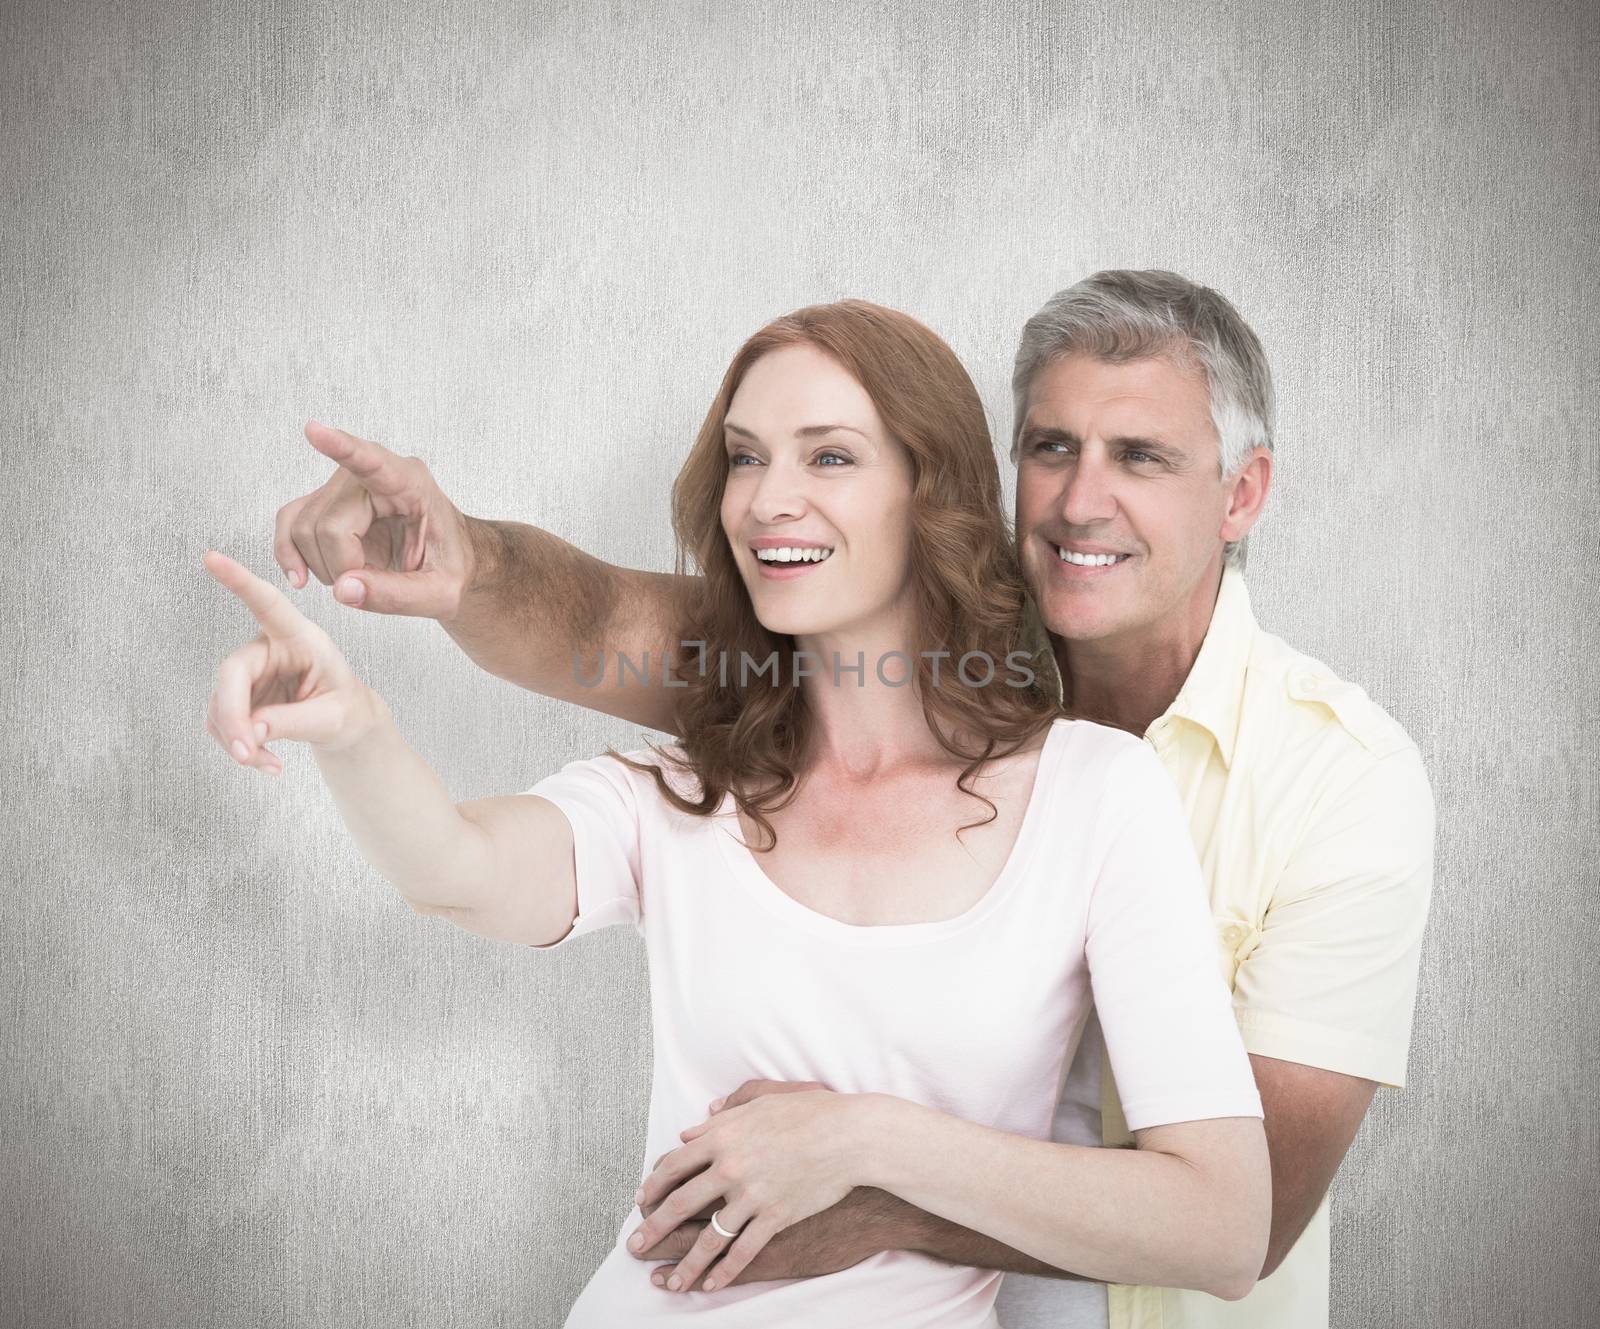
1099, 763
1089, 740
671, 759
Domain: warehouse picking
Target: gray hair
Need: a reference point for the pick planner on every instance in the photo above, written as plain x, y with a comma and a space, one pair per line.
1119, 316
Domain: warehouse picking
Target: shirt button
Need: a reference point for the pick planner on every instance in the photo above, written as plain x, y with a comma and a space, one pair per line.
1233, 933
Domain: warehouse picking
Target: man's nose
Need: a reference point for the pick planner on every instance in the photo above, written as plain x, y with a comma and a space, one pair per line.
1089, 496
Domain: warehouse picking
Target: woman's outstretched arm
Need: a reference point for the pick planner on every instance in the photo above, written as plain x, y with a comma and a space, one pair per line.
500, 867
509, 857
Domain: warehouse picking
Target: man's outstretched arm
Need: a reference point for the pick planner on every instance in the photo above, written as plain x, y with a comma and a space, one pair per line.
542, 614
524, 604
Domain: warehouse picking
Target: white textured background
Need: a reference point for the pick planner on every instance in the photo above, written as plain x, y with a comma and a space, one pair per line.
242, 1083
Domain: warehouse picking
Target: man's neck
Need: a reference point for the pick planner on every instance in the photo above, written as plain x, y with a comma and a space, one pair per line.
1128, 682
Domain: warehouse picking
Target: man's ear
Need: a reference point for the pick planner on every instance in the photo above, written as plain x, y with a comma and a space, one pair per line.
1247, 494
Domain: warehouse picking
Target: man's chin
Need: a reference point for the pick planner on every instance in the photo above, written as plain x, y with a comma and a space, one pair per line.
1078, 617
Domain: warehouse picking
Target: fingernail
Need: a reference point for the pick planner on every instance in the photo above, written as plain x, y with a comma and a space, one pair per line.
350, 591
674, 1282
261, 731
240, 751
658, 1280
636, 1242
711, 1285
638, 1196
716, 1104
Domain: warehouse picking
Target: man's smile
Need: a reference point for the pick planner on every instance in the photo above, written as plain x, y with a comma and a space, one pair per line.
1079, 561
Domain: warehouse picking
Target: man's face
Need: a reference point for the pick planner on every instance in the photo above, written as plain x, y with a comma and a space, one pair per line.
1119, 459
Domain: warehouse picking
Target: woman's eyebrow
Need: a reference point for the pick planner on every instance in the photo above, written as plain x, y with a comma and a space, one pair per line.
809, 431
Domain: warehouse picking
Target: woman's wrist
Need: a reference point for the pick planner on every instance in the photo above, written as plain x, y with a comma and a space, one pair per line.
367, 724
876, 1137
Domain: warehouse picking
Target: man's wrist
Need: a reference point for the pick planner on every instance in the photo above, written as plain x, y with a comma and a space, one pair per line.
893, 1224
485, 556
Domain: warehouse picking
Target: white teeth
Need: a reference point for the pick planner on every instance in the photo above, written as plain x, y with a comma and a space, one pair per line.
1089, 560
793, 554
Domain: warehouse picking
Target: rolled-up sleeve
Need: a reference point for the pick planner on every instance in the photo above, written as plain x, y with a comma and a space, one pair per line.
1332, 981
600, 802
1163, 1006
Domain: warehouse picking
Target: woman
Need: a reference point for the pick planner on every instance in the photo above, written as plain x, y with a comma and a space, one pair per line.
878, 859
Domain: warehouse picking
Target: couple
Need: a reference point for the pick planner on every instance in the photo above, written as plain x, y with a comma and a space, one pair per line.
910, 893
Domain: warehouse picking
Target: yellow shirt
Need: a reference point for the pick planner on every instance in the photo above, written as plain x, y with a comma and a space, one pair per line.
1314, 822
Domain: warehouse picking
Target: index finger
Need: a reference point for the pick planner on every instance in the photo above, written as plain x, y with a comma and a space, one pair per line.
271, 607
371, 463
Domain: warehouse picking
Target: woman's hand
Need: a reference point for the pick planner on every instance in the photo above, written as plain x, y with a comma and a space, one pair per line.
290, 682
769, 1163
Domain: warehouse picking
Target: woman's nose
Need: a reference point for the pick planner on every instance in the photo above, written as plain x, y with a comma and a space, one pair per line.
779, 495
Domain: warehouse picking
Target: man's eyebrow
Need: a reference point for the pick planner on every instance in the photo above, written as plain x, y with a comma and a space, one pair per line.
1044, 434
810, 431
1148, 444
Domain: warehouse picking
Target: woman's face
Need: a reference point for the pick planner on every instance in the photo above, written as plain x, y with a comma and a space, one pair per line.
817, 508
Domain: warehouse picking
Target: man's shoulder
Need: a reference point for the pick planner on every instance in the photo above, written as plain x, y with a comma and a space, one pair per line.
1313, 702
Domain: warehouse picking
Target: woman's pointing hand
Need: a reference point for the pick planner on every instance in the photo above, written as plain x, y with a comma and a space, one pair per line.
290, 682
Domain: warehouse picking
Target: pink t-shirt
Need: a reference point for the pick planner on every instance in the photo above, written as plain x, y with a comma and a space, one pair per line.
977, 1015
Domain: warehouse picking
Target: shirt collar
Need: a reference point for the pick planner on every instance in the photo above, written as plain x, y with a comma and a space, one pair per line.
1213, 693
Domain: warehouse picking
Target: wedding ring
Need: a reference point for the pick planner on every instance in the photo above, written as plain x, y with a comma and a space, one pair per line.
721, 1231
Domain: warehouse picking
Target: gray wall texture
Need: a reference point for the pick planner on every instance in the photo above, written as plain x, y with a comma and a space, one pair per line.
242, 1083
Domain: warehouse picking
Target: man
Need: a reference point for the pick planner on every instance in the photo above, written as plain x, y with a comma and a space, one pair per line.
1143, 446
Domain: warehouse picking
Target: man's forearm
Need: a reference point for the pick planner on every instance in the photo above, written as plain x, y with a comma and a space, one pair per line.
867, 1222
538, 611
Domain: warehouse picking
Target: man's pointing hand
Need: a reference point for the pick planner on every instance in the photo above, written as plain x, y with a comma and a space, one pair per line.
381, 532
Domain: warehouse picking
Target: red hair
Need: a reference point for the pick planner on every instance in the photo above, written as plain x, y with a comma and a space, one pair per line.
751, 740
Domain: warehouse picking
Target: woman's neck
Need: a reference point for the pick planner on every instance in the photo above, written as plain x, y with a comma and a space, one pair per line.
865, 702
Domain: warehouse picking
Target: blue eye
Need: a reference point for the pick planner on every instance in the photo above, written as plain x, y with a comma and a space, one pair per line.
834, 456
739, 457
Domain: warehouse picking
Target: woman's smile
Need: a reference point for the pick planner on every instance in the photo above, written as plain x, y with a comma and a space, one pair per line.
784, 559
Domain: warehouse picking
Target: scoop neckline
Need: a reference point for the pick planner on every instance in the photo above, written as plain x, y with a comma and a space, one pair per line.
776, 900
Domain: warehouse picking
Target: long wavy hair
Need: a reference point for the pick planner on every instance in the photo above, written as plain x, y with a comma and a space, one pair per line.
752, 740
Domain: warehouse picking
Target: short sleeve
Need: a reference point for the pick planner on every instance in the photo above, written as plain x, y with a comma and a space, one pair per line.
1332, 981
600, 803
1163, 1006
